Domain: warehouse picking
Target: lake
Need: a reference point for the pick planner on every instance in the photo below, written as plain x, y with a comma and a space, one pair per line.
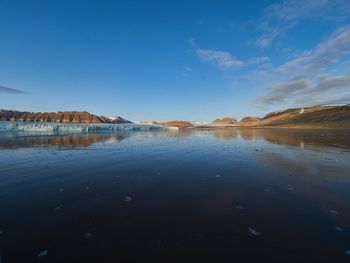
235, 195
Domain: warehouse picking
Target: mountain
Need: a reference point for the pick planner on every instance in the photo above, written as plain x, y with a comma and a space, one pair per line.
114, 119
321, 116
249, 121
179, 124
227, 121
62, 117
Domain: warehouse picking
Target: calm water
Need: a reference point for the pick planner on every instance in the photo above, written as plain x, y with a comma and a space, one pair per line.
200, 196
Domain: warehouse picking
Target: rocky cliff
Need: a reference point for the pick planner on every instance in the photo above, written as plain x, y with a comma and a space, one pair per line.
61, 117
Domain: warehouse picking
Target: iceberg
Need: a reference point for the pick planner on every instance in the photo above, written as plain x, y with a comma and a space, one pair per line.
77, 127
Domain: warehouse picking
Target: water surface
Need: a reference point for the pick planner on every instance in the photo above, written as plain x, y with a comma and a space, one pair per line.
248, 195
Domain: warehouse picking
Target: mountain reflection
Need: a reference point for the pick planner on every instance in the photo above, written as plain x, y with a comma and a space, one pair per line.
10, 141
293, 137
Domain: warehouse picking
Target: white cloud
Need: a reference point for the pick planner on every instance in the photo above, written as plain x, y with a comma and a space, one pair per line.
282, 16
288, 11
266, 39
221, 59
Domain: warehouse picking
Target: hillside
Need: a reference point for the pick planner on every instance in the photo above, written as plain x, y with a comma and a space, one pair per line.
320, 116
308, 117
249, 120
227, 121
179, 124
114, 119
60, 117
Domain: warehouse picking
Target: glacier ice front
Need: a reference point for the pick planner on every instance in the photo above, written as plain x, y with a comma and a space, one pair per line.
77, 127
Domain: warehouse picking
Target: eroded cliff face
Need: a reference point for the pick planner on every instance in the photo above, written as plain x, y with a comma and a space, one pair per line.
60, 117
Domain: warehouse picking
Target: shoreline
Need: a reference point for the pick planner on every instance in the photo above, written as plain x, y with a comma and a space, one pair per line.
268, 127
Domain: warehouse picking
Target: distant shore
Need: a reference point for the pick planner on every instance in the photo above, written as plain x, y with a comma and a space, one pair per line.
314, 117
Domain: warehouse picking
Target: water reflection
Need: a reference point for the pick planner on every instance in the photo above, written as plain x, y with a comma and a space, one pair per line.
22, 140
293, 137
195, 193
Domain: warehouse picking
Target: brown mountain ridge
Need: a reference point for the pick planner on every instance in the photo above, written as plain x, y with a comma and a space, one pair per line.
60, 117
321, 116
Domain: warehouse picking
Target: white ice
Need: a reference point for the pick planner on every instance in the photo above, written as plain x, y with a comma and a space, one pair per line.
76, 127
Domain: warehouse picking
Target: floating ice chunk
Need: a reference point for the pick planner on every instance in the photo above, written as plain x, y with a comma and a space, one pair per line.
127, 198
254, 232
43, 253
338, 228
333, 212
218, 176
61, 190
88, 235
347, 252
57, 208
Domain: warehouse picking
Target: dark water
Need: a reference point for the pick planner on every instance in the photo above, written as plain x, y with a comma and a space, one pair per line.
200, 196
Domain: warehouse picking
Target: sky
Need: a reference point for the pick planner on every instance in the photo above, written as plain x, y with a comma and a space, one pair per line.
173, 60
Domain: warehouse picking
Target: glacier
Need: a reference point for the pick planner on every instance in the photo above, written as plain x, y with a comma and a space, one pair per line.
77, 127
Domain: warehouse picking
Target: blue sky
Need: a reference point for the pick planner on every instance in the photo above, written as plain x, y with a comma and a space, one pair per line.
163, 60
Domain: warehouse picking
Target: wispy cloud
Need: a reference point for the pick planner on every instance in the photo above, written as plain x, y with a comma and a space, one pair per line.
279, 92
324, 54
327, 82
4, 89
187, 71
309, 79
258, 60
221, 59
282, 16
303, 91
